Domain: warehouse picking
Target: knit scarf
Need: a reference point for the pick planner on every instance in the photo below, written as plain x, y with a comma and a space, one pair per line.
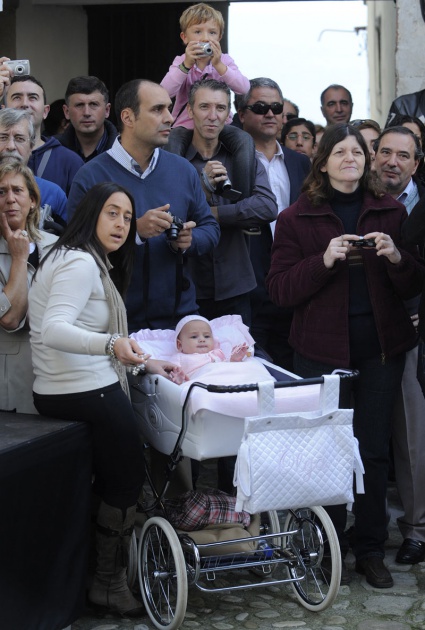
117, 314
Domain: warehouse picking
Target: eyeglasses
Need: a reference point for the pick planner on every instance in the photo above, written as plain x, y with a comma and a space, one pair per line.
367, 122
304, 135
261, 108
290, 116
4, 139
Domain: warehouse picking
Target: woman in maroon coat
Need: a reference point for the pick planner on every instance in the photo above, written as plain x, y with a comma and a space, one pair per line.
337, 261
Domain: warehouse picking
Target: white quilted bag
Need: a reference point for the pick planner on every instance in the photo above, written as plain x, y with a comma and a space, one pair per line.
298, 460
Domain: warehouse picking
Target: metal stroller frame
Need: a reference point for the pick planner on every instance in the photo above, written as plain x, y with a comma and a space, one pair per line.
168, 561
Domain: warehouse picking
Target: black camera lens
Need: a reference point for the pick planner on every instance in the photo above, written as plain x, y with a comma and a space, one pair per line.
222, 186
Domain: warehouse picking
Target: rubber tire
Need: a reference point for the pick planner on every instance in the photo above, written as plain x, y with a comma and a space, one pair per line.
317, 591
164, 596
132, 561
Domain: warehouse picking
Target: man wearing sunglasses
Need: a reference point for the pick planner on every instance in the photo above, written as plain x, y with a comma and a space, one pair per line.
261, 113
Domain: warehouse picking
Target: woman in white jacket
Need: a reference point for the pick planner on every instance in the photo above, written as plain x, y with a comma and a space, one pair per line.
80, 353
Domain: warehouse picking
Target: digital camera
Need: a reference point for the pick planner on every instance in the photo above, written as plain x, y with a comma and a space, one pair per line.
172, 233
363, 242
224, 188
19, 66
207, 51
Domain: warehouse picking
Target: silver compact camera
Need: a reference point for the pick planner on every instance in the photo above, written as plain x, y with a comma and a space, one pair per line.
19, 66
207, 51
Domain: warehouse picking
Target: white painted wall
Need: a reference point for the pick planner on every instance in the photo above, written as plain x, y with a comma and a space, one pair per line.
396, 62
54, 39
409, 59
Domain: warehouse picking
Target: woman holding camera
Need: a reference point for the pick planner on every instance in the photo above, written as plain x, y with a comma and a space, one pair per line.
349, 313
80, 354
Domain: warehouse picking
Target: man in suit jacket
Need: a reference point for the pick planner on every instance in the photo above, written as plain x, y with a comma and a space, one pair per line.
397, 155
261, 114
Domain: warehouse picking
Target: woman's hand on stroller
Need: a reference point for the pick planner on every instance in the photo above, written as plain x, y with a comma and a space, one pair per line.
239, 353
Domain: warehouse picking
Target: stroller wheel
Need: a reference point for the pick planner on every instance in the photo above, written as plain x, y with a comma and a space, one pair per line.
132, 561
316, 546
162, 574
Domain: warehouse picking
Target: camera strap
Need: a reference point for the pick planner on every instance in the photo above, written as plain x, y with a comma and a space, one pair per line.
179, 282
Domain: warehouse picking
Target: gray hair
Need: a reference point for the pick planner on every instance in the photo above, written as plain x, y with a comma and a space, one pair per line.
297, 109
10, 117
241, 101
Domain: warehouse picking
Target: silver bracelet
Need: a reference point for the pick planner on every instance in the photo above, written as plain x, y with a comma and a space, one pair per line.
139, 369
207, 182
111, 343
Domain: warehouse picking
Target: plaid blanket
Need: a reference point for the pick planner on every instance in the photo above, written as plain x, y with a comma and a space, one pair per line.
195, 510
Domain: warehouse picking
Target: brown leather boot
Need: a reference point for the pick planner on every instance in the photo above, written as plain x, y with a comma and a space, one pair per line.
109, 588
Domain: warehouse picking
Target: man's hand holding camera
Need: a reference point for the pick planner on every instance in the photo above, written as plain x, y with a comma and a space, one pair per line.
213, 173
184, 239
159, 220
154, 222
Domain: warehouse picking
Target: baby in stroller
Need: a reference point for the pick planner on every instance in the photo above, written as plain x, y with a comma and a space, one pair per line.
197, 346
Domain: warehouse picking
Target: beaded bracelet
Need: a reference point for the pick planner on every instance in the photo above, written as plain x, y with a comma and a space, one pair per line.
111, 343
183, 68
139, 369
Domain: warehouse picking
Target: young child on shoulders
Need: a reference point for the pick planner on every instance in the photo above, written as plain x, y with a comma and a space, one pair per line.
202, 29
196, 347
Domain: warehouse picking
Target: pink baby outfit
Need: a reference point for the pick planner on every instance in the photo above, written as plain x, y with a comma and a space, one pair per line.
192, 362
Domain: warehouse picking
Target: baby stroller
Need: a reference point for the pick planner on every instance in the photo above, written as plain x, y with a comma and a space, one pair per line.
304, 553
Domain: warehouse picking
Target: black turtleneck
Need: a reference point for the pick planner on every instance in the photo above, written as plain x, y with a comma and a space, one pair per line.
364, 341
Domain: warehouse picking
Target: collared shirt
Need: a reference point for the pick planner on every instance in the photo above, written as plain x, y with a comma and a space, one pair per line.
410, 196
120, 155
278, 178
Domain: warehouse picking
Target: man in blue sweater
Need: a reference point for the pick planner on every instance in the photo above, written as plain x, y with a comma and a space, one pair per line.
164, 186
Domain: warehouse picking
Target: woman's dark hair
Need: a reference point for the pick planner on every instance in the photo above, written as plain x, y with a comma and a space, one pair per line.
296, 122
81, 232
317, 185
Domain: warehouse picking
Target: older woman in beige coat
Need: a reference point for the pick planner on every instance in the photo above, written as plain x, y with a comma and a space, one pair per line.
22, 245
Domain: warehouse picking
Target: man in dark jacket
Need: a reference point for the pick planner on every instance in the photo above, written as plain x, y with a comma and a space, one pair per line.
397, 155
87, 107
410, 104
261, 114
49, 159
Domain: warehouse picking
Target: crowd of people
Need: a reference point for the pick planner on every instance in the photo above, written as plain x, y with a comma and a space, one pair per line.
313, 235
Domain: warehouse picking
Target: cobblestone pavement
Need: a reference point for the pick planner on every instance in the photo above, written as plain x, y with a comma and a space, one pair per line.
357, 606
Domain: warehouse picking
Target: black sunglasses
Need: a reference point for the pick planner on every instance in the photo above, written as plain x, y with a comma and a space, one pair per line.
261, 108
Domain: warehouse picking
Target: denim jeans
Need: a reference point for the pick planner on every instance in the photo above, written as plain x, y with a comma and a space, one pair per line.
374, 394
